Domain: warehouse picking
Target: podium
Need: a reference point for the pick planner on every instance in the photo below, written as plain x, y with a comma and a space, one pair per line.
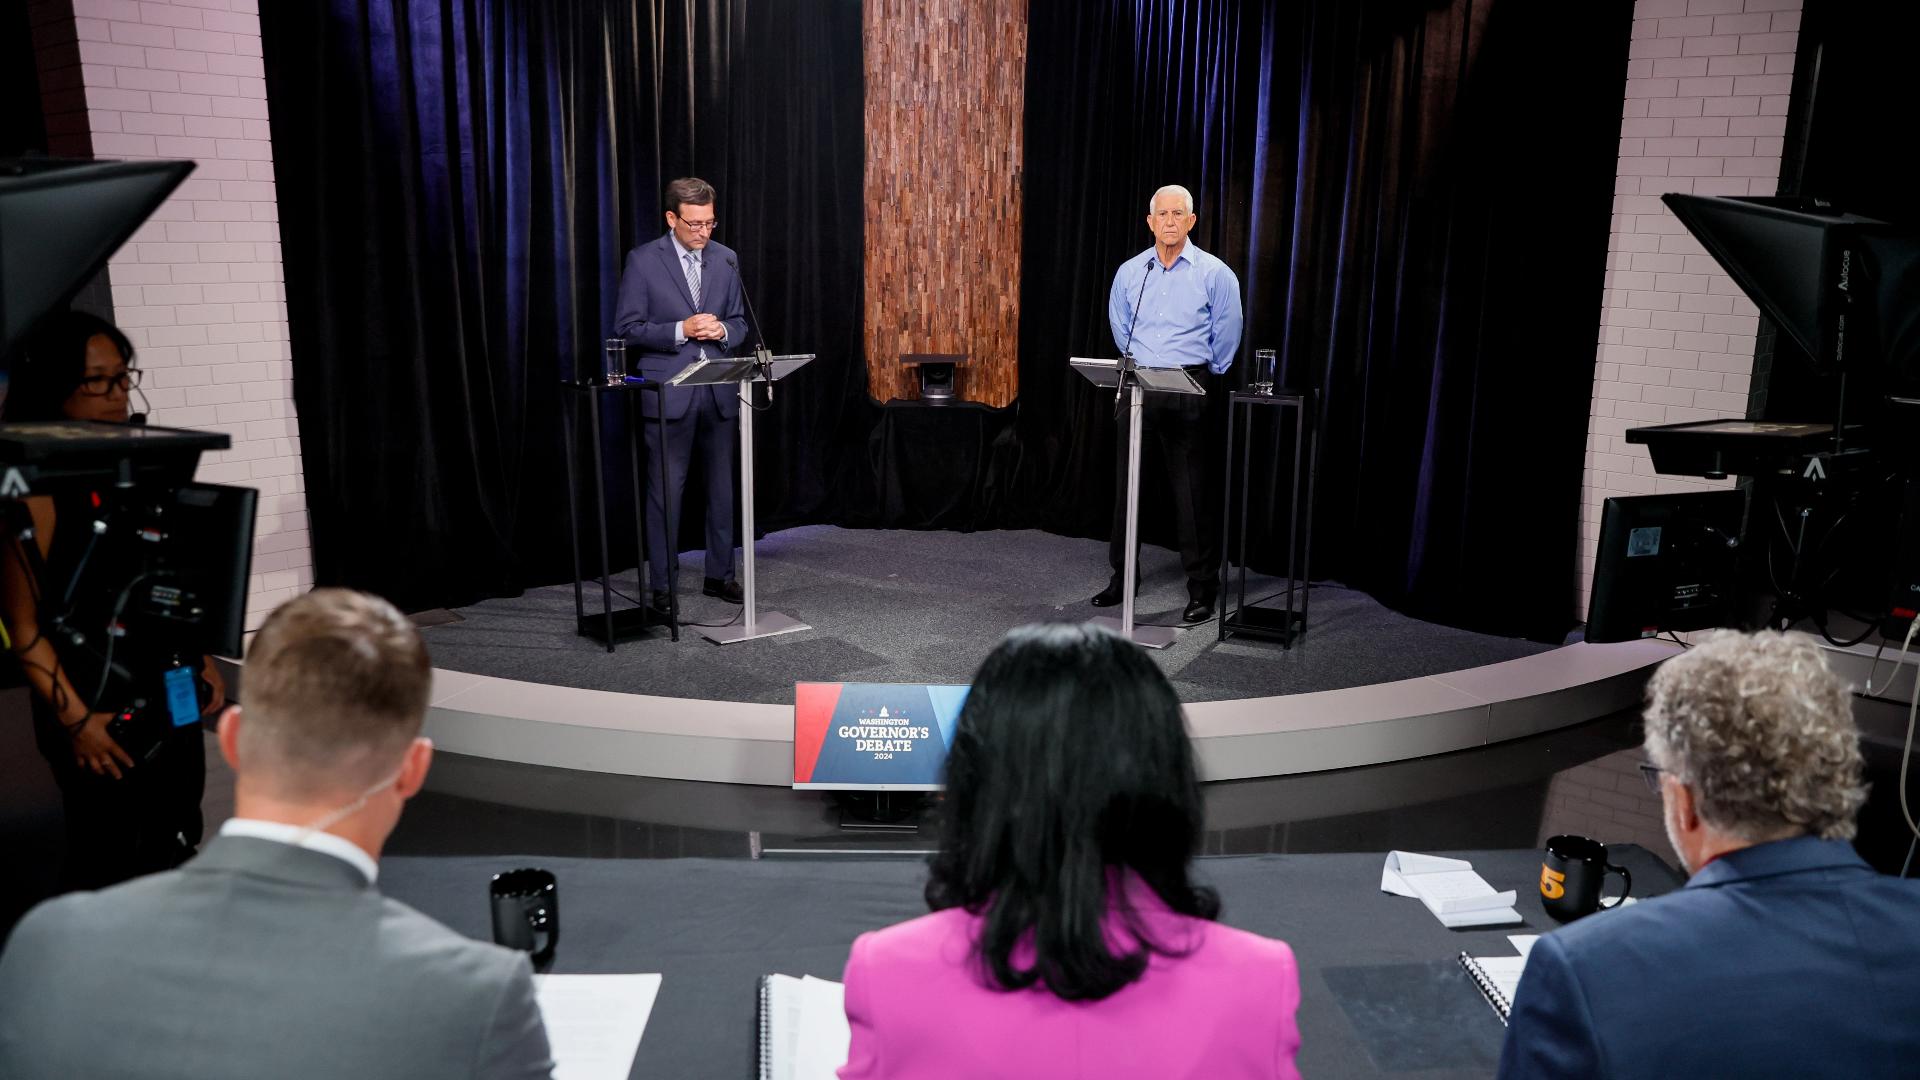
761, 367
1135, 382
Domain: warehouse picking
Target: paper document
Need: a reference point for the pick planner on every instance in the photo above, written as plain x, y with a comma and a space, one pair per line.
594, 1022
803, 1028
1523, 942
1503, 972
1403, 864
1450, 888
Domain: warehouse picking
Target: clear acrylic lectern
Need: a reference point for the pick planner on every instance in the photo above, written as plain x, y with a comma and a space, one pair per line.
1135, 382
744, 371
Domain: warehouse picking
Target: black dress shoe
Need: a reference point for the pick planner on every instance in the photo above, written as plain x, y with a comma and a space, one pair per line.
660, 603
729, 591
1110, 596
1197, 611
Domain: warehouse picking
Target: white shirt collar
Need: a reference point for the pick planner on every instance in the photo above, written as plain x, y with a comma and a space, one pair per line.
324, 842
698, 257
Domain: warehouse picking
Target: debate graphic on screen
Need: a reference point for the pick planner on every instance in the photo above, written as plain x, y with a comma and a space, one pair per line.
872, 735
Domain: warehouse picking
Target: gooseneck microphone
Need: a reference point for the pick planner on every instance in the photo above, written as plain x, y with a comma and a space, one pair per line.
760, 331
762, 356
1146, 272
1126, 351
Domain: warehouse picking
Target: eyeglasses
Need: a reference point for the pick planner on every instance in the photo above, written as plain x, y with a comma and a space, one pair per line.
102, 385
1651, 774
700, 226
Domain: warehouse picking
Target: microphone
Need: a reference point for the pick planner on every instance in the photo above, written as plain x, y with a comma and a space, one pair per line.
1146, 272
139, 419
762, 356
1126, 351
759, 346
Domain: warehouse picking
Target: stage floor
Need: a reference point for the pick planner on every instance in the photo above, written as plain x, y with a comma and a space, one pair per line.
926, 607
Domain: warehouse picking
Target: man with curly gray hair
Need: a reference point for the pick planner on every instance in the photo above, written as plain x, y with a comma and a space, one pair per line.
1785, 954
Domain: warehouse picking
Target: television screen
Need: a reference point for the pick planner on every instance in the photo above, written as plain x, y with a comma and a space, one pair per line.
1665, 563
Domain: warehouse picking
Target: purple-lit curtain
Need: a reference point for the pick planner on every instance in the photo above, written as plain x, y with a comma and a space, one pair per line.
1416, 197
459, 183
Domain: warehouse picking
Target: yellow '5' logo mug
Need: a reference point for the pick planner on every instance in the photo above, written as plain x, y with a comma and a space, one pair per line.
1553, 884
1571, 876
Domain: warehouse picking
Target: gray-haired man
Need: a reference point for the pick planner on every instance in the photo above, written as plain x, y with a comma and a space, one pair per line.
1785, 954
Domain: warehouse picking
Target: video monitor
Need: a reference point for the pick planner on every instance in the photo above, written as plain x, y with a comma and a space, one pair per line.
197, 588
1665, 563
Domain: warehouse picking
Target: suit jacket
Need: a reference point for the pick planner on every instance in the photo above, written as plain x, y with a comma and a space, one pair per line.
259, 959
653, 302
1792, 958
919, 1008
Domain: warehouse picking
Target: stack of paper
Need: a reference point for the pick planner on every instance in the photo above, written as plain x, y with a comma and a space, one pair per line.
594, 1022
803, 1028
1451, 889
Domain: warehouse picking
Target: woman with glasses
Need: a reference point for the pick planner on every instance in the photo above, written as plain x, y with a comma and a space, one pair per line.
1068, 938
124, 816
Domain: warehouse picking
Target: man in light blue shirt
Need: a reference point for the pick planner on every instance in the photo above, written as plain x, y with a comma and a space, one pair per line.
1174, 305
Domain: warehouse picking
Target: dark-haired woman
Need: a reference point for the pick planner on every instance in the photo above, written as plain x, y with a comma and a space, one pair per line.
1067, 938
123, 817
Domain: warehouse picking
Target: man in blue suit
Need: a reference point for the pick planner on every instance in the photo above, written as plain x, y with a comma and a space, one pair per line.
680, 300
1785, 954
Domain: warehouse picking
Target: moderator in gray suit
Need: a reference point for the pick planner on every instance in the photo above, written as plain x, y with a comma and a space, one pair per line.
654, 301
259, 959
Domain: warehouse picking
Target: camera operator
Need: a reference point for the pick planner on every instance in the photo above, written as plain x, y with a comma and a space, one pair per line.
124, 817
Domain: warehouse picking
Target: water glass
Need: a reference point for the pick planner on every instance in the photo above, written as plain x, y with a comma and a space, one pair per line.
1265, 365
616, 349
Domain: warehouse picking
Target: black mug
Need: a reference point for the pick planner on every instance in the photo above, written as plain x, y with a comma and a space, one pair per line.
526, 913
1571, 876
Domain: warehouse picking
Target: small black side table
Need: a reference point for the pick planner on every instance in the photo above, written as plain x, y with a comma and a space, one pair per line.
1287, 624
611, 625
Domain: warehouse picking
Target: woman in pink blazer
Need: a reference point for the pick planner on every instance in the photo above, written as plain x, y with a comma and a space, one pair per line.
1066, 938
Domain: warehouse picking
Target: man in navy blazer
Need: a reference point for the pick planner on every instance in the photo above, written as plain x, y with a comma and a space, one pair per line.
680, 300
1785, 954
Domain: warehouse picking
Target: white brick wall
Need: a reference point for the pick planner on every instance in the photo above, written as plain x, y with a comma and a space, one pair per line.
199, 289
1607, 800
1705, 113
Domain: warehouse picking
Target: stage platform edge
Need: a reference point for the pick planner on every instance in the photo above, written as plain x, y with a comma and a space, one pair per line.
746, 743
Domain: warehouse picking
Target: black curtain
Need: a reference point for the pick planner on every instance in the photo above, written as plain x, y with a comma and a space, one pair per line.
1416, 197
460, 182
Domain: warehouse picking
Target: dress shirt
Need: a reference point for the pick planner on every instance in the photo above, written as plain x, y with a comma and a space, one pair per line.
1190, 313
680, 252
324, 842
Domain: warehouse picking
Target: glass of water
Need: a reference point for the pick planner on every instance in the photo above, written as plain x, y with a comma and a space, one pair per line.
1265, 364
616, 350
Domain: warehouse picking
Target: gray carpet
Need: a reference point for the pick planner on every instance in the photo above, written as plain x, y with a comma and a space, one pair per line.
926, 607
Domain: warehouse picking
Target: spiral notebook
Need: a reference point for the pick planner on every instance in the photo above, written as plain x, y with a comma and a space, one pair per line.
803, 1028
1497, 977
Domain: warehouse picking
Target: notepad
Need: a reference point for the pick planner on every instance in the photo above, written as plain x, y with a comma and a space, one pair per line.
1497, 978
803, 1028
1450, 888
594, 1022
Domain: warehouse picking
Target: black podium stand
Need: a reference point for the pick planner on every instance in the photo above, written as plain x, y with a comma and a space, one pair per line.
612, 625
1287, 624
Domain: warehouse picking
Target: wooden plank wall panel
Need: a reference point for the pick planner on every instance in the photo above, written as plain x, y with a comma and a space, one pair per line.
946, 83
